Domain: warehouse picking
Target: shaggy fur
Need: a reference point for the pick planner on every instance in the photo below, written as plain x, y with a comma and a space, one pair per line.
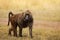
21, 20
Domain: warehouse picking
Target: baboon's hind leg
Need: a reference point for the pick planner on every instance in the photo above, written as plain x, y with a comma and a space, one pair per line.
10, 29
15, 31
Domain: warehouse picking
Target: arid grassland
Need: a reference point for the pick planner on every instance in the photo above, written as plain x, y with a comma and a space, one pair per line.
46, 14
42, 30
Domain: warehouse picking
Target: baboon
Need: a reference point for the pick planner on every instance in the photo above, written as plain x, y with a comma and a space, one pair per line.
22, 20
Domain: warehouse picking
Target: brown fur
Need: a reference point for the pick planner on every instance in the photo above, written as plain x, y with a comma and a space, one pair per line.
20, 21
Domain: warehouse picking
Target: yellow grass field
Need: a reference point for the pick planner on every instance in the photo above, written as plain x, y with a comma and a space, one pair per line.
46, 14
39, 33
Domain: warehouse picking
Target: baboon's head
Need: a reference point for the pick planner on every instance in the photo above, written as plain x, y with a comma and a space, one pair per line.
27, 15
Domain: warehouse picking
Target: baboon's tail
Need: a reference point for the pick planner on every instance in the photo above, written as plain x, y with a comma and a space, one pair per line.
10, 14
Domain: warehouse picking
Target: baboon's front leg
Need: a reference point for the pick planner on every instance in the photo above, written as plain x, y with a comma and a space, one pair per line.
30, 30
20, 32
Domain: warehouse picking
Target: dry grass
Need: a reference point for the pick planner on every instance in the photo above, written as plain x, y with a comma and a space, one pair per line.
38, 34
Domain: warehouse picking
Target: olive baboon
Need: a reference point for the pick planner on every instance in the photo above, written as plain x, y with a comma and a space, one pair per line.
21, 20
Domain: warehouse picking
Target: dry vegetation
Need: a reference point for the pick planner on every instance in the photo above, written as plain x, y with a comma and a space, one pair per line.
38, 34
